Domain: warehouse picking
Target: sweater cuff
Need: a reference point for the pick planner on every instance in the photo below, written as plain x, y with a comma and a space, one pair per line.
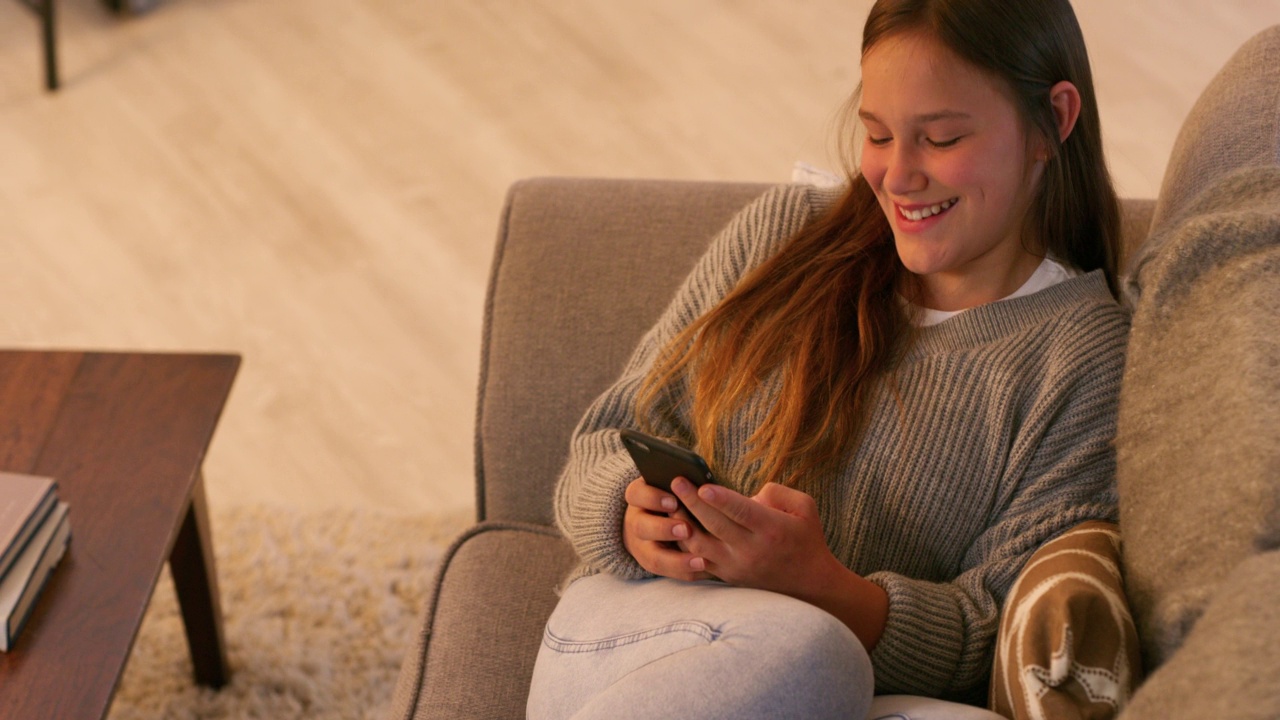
922, 641
601, 505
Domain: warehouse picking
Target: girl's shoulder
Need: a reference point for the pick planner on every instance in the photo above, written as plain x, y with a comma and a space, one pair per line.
791, 205
823, 197
764, 226
1089, 329
1085, 302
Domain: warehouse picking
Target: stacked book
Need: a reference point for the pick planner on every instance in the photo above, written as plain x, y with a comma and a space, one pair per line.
34, 533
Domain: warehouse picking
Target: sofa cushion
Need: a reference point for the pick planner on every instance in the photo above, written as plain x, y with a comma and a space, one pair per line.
1067, 646
492, 597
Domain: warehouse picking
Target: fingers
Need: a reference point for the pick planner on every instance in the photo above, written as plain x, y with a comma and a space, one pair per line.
665, 557
652, 536
645, 525
723, 512
749, 541
674, 564
647, 497
788, 500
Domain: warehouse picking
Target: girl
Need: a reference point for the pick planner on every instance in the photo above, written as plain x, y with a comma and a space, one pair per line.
905, 386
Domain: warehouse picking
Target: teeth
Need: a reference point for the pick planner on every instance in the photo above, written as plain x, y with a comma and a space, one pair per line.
927, 212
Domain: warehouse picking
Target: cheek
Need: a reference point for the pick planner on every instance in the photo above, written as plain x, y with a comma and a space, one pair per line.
960, 171
873, 167
994, 174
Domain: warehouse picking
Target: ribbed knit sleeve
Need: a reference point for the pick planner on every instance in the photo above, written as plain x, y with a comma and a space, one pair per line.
589, 500
1057, 471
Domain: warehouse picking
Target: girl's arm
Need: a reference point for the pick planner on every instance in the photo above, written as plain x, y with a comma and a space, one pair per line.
591, 495
940, 636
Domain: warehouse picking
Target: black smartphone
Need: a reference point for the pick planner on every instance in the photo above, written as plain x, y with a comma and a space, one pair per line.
660, 462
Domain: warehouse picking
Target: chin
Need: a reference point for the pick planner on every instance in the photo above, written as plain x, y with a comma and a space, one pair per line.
916, 262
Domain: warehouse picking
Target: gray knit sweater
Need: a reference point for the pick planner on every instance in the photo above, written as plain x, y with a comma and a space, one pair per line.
1001, 438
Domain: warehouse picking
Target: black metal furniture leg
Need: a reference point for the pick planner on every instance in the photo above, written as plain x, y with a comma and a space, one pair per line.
50, 45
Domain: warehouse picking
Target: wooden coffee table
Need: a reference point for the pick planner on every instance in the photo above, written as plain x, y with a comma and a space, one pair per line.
125, 435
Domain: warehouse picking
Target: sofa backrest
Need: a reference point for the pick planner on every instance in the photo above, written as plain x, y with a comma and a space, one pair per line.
582, 268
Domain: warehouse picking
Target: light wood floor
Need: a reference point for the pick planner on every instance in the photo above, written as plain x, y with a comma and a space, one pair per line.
315, 184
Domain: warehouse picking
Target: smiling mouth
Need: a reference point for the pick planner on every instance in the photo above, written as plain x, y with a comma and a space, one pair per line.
929, 211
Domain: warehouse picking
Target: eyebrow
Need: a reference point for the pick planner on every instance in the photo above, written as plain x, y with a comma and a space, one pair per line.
922, 119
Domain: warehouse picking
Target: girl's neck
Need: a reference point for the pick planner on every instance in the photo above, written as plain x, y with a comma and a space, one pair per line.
960, 291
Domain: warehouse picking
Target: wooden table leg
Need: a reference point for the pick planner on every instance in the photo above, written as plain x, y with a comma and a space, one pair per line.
196, 582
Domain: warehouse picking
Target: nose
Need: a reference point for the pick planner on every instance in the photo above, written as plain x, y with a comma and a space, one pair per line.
903, 172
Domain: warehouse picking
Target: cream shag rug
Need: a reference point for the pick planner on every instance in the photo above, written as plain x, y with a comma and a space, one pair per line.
319, 611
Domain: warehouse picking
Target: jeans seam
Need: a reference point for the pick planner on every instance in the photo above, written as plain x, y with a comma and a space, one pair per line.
583, 646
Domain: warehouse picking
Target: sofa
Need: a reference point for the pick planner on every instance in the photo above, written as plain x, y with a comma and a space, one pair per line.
583, 267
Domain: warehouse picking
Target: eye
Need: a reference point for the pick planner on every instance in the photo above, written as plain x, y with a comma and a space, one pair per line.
944, 143
878, 142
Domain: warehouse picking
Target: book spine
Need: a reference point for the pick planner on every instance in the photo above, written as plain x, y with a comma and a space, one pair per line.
51, 555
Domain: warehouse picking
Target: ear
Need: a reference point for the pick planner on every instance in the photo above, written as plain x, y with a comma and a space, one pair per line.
1065, 99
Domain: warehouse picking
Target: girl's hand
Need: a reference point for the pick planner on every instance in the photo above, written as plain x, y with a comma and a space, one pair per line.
653, 536
773, 541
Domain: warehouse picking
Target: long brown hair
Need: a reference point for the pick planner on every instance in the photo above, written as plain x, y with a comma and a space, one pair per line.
817, 323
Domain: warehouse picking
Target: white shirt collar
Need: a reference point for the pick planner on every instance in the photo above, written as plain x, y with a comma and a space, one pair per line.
1049, 273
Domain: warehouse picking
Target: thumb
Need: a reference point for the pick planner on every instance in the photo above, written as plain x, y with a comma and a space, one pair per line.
785, 499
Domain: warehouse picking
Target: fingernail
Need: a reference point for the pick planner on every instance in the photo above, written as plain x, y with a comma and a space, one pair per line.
680, 486
698, 564
707, 492
680, 531
669, 504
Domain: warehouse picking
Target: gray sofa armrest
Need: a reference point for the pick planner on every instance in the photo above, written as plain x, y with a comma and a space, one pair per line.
1227, 668
1197, 458
1135, 225
474, 654
1234, 124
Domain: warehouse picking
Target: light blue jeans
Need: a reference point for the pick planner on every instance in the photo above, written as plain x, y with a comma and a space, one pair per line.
659, 648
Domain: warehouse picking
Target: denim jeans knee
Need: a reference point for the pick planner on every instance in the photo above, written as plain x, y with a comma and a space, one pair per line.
629, 649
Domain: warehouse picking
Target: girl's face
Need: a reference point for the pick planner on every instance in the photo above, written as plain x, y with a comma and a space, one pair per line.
955, 171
